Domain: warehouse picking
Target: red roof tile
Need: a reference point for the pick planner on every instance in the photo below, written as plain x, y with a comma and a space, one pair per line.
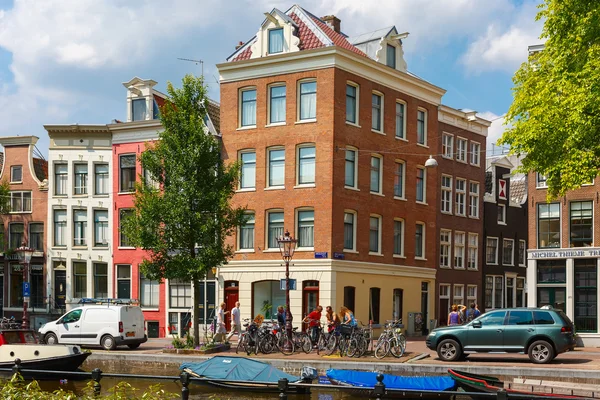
308, 40
244, 55
337, 38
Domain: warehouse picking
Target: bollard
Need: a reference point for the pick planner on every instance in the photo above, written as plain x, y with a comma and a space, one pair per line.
501, 394
96, 376
16, 369
283, 388
379, 389
185, 381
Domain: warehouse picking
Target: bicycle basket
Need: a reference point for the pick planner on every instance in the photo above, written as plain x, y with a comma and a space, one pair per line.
346, 330
398, 330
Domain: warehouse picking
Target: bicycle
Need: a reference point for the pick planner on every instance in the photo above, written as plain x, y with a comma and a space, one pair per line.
392, 340
247, 342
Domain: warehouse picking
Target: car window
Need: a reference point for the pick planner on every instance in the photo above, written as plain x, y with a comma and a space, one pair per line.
520, 318
565, 318
543, 318
493, 318
73, 316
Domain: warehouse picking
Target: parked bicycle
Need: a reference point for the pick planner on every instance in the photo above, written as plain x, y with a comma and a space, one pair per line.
391, 340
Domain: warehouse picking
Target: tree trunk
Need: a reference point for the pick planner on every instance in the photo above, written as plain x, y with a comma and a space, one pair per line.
195, 311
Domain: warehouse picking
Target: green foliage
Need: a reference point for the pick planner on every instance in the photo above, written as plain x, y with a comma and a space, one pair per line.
178, 343
555, 114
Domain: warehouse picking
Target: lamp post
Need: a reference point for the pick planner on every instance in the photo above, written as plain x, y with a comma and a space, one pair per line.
287, 246
24, 254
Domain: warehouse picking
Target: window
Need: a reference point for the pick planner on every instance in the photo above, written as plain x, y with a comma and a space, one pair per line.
508, 250
522, 253
306, 165
248, 107
473, 199
123, 281
390, 59
123, 215
61, 174
399, 180
248, 178
374, 299
155, 110
352, 103
36, 236
473, 250
277, 104
510, 292
520, 293
420, 240
100, 281
399, 237
80, 173
79, 227
397, 303
246, 238
377, 112
475, 150
581, 227
444, 291
491, 250
471, 294
551, 271
502, 214
461, 149
446, 194
60, 227
349, 297
540, 181
180, 294
276, 169
447, 144
461, 187
127, 167
275, 228
548, 225
275, 40
80, 284
138, 109
520, 318
101, 181
422, 127
421, 176
36, 278
149, 292
375, 234
308, 100
494, 291
16, 174
445, 243
351, 169
376, 172
16, 234
586, 300
306, 228
459, 294
101, 228
20, 202
400, 121
349, 231
459, 250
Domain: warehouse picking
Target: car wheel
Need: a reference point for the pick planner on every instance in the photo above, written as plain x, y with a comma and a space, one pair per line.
449, 350
541, 352
108, 342
50, 338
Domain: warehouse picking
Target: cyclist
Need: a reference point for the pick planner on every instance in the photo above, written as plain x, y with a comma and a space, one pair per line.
313, 320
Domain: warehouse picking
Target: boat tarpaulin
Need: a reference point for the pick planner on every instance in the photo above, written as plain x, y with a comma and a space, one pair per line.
237, 369
368, 379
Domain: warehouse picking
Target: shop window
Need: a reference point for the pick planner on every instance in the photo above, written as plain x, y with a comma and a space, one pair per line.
551, 271
586, 295
581, 224
266, 297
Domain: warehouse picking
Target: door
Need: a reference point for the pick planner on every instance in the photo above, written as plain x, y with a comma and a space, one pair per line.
231, 297
60, 289
186, 320
443, 312
518, 330
487, 333
554, 296
310, 298
69, 327
397, 304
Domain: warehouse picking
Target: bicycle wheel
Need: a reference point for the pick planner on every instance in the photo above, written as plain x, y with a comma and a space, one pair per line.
352, 347
332, 343
363, 345
241, 346
267, 344
306, 343
382, 349
286, 345
398, 346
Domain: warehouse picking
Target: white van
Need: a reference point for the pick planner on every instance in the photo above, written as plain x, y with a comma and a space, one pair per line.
108, 326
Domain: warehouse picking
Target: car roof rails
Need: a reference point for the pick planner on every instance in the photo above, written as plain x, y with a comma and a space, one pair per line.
108, 301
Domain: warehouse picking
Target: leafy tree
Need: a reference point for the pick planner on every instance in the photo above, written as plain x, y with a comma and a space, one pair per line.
555, 114
4, 206
183, 218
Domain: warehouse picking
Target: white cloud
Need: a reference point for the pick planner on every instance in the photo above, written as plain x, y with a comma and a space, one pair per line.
496, 130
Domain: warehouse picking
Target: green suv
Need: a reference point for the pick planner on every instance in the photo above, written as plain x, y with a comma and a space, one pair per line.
543, 333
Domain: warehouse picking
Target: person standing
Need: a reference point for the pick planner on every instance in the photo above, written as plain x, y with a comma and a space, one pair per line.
314, 321
281, 317
236, 323
453, 317
221, 330
333, 320
473, 312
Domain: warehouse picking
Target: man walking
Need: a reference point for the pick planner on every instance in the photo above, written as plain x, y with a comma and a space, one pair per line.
236, 325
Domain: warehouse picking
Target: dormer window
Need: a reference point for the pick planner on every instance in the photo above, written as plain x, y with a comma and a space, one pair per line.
138, 110
391, 56
275, 41
155, 110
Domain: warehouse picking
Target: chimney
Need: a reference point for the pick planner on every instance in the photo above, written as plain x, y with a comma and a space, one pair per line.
333, 22
240, 44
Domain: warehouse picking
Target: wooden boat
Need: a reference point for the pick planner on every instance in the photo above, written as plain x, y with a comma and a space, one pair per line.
486, 384
241, 373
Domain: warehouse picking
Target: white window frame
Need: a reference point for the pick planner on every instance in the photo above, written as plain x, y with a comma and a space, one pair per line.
269, 87
473, 200
512, 254
241, 109
461, 149
503, 208
97, 191
496, 252
354, 223
475, 153
12, 172
402, 224
355, 151
459, 249
493, 294
424, 201
458, 296
85, 187
473, 246
471, 298
267, 213
379, 247
380, 178
397, 163
381, 96
446, 196
447, 294
240, 154
356, 106
22, 210
404, 108
94, 230
445, 242
539, 182
268, 160
122, 279
308, 184
424, 244
58, 189
461, 197
64, 238
523, 261
447, 145
239, 235
537, 224
297, 225
424, 144
298, 97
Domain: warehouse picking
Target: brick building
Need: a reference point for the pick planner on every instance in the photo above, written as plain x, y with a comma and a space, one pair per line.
27, 176
333, 135
461, 163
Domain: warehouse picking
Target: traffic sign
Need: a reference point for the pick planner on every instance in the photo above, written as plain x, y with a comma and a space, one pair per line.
292, 284
26, 289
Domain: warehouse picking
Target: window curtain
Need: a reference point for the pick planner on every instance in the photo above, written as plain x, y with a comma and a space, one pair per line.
139, 109
81, 171
307, 165
80, 222
277, 104
275, 41
348, 231
275, 229
60, 227
101, 229
249, 107
36, 236
61, 175
102, 179
248, 170
308, 100
306, 227
16, 235
247, 233
276, 167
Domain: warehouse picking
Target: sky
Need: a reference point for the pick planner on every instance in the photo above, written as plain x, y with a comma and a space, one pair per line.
63, 61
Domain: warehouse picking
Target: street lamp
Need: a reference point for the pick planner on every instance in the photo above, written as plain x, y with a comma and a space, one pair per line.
24, 254
287, 245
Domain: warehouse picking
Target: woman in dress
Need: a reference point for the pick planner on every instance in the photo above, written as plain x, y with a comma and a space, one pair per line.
453, 317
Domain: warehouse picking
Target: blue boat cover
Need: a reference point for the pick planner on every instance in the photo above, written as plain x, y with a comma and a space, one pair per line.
368, 379
237, 369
